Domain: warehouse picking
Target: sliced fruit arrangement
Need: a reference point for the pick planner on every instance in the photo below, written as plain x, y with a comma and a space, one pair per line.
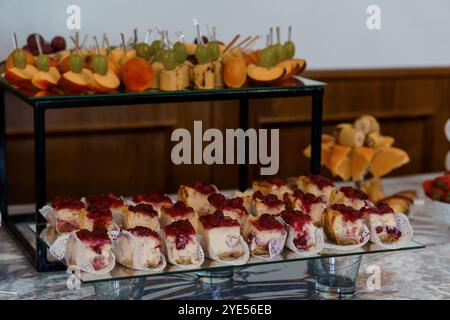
358, 148
152, 64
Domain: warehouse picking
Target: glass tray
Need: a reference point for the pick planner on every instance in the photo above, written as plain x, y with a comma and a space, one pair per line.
120, 272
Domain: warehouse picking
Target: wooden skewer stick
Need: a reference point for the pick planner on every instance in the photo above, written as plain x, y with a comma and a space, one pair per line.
289, 33
214, 33
278, 35
86, 36
135, 32
97, 48
166, 33
249, 44
236, 37
199, 35
38, 43
271, 35
15, 43
243, 41
105, 38
147, 35
267, 40
124, 45
77, 42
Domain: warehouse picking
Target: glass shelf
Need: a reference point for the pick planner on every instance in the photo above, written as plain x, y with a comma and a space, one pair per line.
297, 86
120, 273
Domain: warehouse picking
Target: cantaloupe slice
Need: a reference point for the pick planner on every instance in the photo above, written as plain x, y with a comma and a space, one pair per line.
325, 156
387, 159
105, 83
340, 162
21, 78
361, 159
46, 80
261, 74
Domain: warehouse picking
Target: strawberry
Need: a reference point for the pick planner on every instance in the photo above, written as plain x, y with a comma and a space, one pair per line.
437, 194
427, 185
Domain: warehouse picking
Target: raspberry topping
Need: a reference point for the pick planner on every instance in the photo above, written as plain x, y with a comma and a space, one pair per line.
307, 199
144, 208
152, 198
320, 181
218, 220
267, 222
219, 201
60, 203
178, 209
143, 232
353, 193
295, 218
381, 208
182, 230
269, 200
203, 187
97, 239
349, 214
101, 200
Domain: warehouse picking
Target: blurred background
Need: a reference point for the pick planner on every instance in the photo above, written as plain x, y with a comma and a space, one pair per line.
400, 74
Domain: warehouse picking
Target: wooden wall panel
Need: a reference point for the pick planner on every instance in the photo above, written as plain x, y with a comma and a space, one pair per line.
127, 150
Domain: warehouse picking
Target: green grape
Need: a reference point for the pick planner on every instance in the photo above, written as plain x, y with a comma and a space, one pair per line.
202, 53
100, 64
19, 59
169, 59
43, 62
156, 45
289, 50
180, 52
159, 55
278, 52
214, 50
267, 58
76, 63
143, 50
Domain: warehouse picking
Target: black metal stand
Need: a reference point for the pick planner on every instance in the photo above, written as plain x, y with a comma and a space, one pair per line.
40, 105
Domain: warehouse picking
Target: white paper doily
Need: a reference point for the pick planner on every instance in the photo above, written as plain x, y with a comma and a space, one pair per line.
137, 264
403, 225
233, 262
350, 247
318, 247
61, 251
200, 257
276, 246
49, 214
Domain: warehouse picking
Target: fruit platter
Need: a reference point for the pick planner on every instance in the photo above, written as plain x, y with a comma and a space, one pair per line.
168, 63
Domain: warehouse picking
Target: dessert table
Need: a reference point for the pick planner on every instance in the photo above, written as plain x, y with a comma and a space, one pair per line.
415, 274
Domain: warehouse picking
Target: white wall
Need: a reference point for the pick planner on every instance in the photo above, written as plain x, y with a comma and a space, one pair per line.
330, 34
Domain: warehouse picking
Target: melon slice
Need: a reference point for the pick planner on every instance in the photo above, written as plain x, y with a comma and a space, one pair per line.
340, 162
325, 156
387, 159
46, 80
361, 158
265, 76
21, 78
105, 83
76, 82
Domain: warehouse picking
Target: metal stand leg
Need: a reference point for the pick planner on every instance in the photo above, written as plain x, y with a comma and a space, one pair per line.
316, 131
243, 124
3, 173
42, 263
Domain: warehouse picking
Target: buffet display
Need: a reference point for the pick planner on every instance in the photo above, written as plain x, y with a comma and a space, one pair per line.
358, 149
164, 64
304, 214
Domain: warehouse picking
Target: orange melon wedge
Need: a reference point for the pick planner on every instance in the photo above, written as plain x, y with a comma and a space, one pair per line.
387, 159
361, 158
340, 162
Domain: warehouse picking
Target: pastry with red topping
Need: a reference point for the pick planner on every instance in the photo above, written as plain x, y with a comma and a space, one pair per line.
301, 229
221, 236
141, 215
381, 220
66, 213
306, 203
181, 243
262, 232
266, 204
138, 248
196, 195
92, 247
233, 207
317, 185
343, 225
110, 201
178, 211
271, 186
155, 199
352, 197
96, 218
